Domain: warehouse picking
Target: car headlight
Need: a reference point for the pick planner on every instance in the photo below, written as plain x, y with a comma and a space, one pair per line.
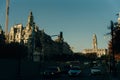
69, 73
52, 73
44, 72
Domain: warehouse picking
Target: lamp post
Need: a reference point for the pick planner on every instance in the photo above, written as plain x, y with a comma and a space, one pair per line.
61, 43
43, 45
60, 40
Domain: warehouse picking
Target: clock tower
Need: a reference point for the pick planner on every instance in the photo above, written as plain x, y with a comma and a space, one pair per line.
95, 46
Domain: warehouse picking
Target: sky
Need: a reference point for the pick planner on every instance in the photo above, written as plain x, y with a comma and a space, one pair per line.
77, 19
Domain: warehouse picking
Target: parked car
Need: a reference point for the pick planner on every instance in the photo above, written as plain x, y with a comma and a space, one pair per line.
96, 70
74, 71
52, 71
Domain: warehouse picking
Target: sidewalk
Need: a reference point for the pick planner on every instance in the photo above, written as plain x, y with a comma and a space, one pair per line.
113, 77
110, 75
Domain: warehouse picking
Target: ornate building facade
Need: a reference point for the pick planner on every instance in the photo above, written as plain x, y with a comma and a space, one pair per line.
95, 48
18, 33
25, 35
38, 42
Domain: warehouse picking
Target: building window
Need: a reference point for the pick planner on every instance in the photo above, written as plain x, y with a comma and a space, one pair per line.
17, 36
10, 37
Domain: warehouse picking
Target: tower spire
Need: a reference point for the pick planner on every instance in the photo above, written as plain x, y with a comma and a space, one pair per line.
30, 19
95, 41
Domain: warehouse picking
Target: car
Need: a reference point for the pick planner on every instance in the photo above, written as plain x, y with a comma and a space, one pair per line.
86, 63
52, 71
96, 70
74, 71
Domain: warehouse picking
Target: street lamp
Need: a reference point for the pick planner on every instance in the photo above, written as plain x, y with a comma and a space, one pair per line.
43, 45
60, 40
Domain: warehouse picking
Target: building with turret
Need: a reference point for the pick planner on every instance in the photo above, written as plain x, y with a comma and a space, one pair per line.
95, 48
38, 42
18, 33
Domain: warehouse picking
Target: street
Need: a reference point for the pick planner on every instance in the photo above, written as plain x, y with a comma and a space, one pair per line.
84, 76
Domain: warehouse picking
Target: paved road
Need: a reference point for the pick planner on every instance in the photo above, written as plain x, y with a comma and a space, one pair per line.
84, 76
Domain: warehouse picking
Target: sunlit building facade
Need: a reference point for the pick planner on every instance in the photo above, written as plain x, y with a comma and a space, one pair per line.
38, 42
95, 48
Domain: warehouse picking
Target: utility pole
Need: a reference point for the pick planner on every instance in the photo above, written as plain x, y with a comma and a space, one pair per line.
112, 55
6, 23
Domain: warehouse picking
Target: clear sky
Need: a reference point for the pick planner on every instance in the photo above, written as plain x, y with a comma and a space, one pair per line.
77, 19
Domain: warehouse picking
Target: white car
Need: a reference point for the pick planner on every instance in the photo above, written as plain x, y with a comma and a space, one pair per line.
74, 71
96, 70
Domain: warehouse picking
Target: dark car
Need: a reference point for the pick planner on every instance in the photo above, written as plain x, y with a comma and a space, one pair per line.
52, 71
75, 71
96, 70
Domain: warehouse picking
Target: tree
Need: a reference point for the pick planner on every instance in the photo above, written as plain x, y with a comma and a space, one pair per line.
113, 45
114, 42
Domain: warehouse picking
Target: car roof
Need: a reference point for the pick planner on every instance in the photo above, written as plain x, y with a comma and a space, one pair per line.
96, 67
75, 67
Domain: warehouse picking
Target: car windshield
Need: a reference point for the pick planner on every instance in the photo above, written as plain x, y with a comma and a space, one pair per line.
95, 68
75, 68
52, 69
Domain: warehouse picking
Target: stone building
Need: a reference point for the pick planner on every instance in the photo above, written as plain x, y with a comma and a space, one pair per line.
15, 34
38, 42
18, 33
24, 35
95, 48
